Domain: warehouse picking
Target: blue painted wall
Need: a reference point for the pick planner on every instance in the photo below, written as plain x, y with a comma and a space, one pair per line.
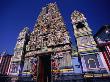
76, 65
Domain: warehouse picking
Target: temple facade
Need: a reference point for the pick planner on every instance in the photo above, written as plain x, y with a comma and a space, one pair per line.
46, 52
49, 45
86, 46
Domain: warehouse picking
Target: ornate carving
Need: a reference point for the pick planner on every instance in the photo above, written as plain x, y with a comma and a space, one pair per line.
19, 51
49, 31
50, 37
85, 41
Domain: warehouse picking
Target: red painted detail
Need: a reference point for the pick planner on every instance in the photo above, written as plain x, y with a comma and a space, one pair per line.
105, 57
41, 71
108, 52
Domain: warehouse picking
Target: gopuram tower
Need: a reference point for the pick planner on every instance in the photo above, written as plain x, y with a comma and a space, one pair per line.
90, 59
17, 61
49, 45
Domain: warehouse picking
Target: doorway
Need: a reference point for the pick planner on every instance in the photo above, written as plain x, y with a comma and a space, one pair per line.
45, 68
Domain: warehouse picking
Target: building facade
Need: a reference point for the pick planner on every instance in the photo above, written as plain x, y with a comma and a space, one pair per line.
102, 38
4, 63
86, 46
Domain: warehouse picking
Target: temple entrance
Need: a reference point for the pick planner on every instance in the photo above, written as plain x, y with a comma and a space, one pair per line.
45, 68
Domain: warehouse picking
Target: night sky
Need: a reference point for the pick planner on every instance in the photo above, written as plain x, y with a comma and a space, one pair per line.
17, 14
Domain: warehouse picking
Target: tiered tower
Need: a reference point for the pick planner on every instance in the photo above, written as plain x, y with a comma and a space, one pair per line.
17, 60
85, 43
49, 42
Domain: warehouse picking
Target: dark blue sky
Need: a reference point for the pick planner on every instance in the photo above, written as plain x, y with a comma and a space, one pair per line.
17, 14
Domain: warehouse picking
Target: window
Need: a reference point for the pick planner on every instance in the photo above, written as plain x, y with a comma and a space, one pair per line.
92, 63
80, 25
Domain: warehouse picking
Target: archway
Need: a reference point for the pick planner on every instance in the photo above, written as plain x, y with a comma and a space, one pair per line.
45, 68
